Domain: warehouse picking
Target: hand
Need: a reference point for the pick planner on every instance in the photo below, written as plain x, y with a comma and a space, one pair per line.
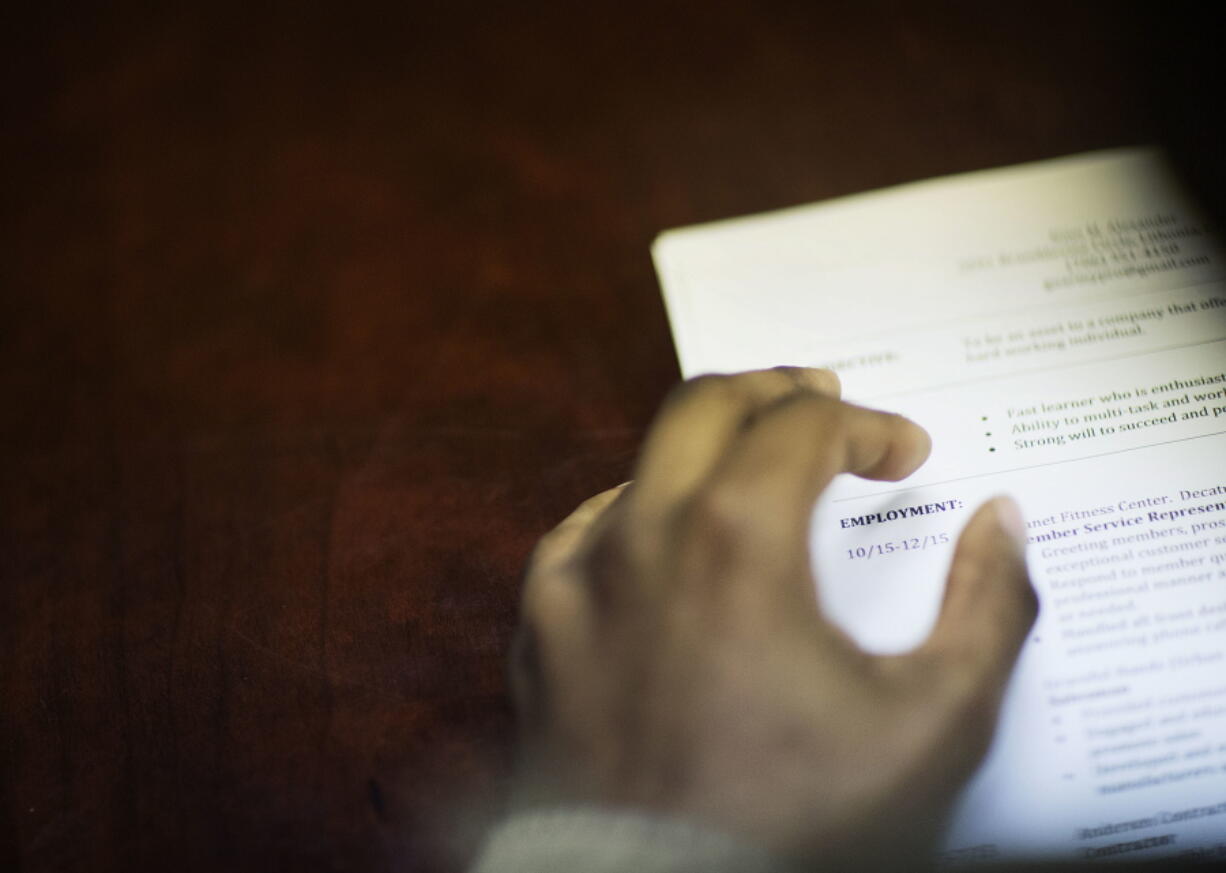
672, 655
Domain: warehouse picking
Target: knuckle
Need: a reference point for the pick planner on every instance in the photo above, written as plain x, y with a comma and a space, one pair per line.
717, 511
828, 419
611, 553
708, 384
791, 372
829, 414
543, 553
804, 379
613, 571
547, 599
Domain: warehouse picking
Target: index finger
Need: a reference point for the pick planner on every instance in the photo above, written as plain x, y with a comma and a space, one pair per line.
699, 421
776, 470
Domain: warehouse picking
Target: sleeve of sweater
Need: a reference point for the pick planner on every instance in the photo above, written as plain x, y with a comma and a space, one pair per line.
598, 841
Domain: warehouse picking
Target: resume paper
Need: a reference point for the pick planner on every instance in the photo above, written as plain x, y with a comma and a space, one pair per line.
1060, 330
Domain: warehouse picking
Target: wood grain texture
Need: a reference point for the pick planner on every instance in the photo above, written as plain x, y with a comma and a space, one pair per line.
312, 320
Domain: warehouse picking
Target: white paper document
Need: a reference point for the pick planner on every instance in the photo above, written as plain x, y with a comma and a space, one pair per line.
1060, 330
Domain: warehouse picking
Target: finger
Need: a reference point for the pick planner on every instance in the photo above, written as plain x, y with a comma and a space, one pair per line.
775, 472
989, 604
552, 605
560, 544
703, 415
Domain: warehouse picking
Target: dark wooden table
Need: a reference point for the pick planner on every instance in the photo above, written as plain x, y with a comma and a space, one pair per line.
311, 321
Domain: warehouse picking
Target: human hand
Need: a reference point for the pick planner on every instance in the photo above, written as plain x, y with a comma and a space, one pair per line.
672, 655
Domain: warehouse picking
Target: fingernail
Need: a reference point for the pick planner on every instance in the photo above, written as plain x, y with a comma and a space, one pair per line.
1009, 517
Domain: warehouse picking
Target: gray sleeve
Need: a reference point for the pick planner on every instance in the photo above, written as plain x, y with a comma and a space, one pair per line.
597, 841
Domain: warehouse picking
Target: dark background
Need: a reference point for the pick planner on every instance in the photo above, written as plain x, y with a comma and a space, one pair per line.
313, 320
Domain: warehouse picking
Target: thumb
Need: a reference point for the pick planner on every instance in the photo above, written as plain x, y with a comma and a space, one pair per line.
989, 604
